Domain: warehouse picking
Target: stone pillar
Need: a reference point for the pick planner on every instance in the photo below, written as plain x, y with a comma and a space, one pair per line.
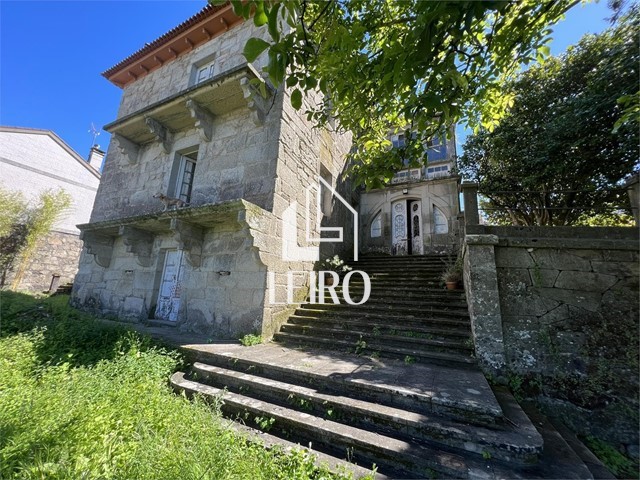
470, 195
633, 189
481, 284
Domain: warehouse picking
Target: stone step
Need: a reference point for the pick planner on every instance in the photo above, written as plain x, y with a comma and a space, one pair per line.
397, 385
391, 319
521, 444
385, 328
334, 464
408, 291
396, 311
407, 459
408, 353
386, 300
373, 339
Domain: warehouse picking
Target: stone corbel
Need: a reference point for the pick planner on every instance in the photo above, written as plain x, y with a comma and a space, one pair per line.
138, 242
100, 246
127, 148
257, 104
204, 120
189, 238
162, 133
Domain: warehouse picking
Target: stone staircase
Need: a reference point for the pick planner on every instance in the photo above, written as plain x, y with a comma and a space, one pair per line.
416, 407
408, 315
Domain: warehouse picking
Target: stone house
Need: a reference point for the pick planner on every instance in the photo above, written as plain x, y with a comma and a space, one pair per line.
32, 161
193, 125
418, 212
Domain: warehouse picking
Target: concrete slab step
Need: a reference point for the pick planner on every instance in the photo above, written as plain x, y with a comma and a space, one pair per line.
514, 444
402, 341
411, 291
399, 300
462, 394
390, 319
461, 333
392, 310
406, 458
409, 353
334, 464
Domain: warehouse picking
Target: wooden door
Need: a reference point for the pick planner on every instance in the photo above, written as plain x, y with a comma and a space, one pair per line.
399, 228
415, 227
170, 287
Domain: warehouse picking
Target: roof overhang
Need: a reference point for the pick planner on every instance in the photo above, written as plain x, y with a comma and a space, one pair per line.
210, 22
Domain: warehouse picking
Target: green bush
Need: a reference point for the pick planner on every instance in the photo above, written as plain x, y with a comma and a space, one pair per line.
81, 399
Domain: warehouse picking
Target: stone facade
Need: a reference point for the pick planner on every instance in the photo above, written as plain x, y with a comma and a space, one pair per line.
31, 162
255, 157
424, 199
556, 310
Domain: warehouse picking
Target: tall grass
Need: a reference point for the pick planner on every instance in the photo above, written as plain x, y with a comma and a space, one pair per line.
82, 400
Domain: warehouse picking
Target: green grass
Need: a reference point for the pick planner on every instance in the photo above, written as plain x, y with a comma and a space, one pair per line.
83, 400
620, 465
250, 339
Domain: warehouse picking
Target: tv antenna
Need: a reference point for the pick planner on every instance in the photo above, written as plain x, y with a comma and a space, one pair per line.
94, 133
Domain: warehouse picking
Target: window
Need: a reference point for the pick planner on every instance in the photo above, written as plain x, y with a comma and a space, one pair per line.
398, 141
204, 72
436, 149
182, 175
440, 224
438, 172
376, 226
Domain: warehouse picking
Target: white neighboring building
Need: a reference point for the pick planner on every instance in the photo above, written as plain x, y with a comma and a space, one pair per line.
34, 160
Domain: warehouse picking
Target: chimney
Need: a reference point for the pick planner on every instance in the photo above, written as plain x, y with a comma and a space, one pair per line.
95, 157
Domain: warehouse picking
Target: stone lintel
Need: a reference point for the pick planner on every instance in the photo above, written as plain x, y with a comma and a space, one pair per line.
138, 242
127, 148
203, 119
162, 133
189, 238
481, 239
100, 246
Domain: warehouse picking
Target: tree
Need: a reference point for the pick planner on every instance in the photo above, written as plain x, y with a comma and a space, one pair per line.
556, 155
401, 65
24, 226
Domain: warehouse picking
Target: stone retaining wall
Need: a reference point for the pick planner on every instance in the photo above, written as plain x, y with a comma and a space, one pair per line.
555, 312
57, 254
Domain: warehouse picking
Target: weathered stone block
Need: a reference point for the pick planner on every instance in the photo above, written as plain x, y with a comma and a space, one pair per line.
588, 300
513, 258
620, 269
587, 281
558, 259
543, 277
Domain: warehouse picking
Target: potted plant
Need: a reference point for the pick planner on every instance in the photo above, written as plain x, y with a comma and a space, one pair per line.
335, 264
452, 276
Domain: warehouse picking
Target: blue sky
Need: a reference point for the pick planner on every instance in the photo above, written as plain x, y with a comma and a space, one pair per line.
52, 54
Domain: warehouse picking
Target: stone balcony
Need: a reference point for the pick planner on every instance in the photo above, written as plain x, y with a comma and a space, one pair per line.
197, 106
188, 226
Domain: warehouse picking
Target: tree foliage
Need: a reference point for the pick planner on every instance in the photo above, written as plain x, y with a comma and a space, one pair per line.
24, 226
401, 65
556, 155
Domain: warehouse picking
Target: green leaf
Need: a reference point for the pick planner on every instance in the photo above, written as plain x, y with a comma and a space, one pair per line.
260, 17
296, 99
253, 48
273, 22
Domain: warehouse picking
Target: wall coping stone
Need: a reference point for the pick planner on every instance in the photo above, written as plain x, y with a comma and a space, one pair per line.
481, 239
571, 243
535, 232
